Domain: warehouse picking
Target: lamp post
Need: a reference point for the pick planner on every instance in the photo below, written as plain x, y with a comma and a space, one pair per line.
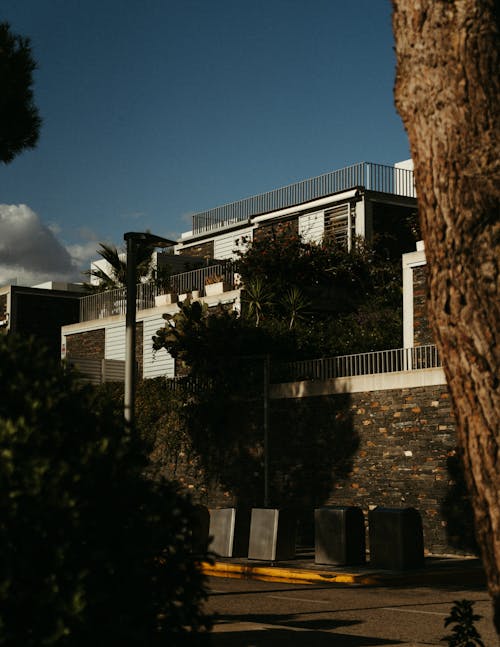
133, 239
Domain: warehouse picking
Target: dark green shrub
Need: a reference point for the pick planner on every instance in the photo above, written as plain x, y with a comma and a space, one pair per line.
91, 553
462, 617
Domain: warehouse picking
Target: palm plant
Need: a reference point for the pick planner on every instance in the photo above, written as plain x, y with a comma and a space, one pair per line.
116, 277
257, 298
295, 305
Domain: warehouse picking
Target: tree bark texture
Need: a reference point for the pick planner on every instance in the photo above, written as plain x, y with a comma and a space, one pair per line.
447, 92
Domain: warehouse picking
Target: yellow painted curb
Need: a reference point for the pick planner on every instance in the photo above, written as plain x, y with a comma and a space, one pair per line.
277, 574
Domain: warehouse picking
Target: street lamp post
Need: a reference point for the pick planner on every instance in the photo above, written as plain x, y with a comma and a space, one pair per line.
133, 239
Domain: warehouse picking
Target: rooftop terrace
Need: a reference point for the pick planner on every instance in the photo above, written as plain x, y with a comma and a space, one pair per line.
370, 176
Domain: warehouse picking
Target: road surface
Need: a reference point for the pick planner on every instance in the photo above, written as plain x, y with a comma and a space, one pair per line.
268, 614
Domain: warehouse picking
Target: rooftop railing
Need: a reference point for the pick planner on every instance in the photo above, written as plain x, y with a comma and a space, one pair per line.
384, 361
373, 177
114, 302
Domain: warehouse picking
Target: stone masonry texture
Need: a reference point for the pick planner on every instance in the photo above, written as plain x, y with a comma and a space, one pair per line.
86, 344
393, 448
3, 305
285, 227
422, 334
202, 250
406, 440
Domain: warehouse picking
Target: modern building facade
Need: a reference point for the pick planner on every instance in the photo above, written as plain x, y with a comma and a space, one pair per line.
367, 200
40, 311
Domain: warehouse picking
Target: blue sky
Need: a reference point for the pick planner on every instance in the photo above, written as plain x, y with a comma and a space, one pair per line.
156, 109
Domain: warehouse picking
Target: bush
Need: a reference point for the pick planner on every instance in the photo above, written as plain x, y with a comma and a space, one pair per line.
463, 619
91, 552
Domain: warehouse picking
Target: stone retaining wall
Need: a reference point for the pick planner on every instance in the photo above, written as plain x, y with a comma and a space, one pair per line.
405, 455
393, 448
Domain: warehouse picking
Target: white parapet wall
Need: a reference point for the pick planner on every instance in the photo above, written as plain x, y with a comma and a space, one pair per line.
410, 261
359, 384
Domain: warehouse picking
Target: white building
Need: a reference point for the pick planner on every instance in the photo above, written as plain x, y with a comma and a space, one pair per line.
366, 199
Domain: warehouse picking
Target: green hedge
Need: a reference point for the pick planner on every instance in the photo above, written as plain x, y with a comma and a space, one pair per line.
91, 552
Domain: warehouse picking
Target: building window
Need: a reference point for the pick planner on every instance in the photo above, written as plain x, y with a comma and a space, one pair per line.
340, 224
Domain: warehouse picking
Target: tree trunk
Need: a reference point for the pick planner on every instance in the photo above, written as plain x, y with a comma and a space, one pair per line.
447, 93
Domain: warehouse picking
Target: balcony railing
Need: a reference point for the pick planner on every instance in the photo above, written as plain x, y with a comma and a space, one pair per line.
374, 177
114, 302
384, 361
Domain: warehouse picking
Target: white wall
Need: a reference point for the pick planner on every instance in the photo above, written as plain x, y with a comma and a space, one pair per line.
406, 164
159, 363
402, 183
225, 244
103, 265
410, 260
312, 226
114, 345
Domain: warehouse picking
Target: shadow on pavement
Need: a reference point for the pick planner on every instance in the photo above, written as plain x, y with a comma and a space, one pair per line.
290, 620
281, 637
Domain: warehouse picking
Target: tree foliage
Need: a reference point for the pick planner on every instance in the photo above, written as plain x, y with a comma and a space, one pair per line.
116, 276
91, 551
325, 299
208, 341
300, 300
19, 119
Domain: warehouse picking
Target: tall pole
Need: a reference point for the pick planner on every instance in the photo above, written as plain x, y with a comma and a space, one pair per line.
129, 394
266, 430
134, 238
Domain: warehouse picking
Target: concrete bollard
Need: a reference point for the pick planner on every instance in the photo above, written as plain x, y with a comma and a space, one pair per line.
230, 531
339, 535
272, 534
396, 538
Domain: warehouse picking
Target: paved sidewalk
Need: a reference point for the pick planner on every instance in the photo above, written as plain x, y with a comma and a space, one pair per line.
462, 571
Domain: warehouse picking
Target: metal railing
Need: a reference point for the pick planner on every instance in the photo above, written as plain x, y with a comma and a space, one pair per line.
195, 279
188, 384
114, 302
374, 177
384, 361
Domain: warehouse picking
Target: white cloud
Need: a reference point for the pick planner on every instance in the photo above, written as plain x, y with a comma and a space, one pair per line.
30, 251
83, 253
55, 228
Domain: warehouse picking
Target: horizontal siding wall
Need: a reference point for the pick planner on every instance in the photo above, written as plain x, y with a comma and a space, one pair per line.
312, 226
113, 370
89, 368
227, 243
114, 347
159, 363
